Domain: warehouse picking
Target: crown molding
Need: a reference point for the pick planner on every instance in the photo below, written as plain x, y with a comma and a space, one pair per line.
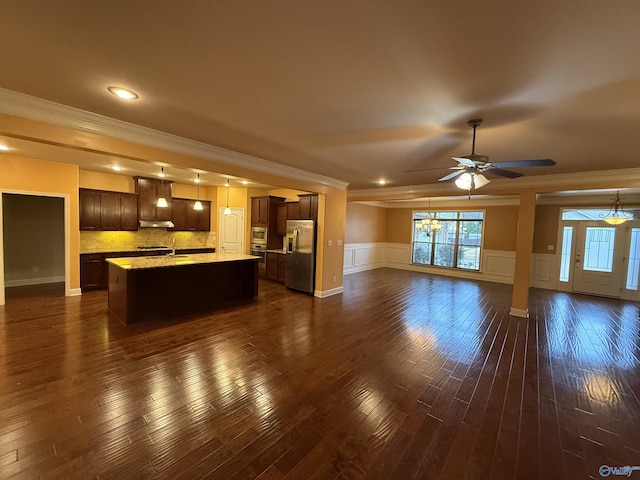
34, 108
609, 179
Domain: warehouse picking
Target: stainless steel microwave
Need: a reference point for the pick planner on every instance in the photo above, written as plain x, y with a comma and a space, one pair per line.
259, 235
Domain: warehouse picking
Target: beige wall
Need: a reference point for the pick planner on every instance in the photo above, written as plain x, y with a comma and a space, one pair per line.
546, 228
500, 227
399, 225
365, 223
332, 212
39, 177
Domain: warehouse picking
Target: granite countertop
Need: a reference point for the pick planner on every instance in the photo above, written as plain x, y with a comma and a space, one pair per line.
136, 263
278, 250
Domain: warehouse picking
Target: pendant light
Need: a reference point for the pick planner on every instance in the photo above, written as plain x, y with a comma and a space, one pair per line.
198, 204
617, 215
227, 210
162, 202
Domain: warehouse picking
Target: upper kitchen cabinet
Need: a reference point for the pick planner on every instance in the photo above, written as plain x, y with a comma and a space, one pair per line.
264, 211
149, 190
308, 207
185, 218
118, 211
89, 202
102, 210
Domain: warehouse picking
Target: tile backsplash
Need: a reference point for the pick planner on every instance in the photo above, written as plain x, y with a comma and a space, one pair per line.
145, 237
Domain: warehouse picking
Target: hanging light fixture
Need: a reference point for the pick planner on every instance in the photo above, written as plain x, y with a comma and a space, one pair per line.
162, 202
430, 223
227, 210
617, 215
198, 204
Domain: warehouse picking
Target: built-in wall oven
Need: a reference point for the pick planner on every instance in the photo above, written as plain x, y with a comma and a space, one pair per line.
260, 250
258, 235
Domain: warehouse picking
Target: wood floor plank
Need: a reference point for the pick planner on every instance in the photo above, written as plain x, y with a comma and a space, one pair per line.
403, 375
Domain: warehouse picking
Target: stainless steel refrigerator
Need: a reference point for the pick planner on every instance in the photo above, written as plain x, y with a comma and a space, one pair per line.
300, 261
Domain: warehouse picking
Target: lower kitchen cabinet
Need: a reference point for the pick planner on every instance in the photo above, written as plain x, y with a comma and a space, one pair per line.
94, 274
275, 266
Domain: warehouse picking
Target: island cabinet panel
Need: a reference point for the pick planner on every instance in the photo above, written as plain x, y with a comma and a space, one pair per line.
185, 218
148, 294
149, 190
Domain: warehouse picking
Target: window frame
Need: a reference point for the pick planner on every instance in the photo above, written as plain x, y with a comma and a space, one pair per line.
445, 216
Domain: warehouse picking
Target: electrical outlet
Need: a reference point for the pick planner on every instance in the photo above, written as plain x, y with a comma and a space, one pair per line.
550, 247
339, 243
334, 279
34, 269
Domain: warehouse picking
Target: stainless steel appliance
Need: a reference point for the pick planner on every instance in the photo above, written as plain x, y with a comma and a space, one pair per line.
260, 250
300, 262
258, 235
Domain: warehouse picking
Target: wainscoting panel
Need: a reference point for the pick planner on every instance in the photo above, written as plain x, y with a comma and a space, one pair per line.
363, 256
544, 270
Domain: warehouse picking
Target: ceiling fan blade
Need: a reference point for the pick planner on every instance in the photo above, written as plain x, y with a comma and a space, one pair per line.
465, 161
451, 175
504, 173
541, 162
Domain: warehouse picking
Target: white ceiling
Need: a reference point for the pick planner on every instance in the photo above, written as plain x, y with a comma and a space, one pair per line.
355, 91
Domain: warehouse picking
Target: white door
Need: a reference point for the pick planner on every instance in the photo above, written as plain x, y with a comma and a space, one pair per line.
232, 231
599, 260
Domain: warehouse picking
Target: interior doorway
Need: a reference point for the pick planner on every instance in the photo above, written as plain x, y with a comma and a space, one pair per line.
33, 252
232, 231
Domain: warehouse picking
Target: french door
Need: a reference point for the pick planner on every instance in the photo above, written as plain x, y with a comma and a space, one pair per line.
598, 259
605, 260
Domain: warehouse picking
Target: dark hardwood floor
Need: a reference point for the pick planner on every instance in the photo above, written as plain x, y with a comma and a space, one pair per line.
403, 376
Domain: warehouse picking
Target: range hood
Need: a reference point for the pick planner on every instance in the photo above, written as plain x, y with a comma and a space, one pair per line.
156, 224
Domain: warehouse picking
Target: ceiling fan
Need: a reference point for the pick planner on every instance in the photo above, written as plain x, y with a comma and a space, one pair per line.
470, 168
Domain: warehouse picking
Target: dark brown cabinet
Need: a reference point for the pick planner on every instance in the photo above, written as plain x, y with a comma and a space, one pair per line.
281, 215
260, 211
293, 210
185, 218
102, 210
89, 203
149, 190
264, 213
93, 272
308, 207
275, 267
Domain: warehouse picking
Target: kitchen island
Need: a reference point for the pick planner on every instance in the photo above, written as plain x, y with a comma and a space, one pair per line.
166, 286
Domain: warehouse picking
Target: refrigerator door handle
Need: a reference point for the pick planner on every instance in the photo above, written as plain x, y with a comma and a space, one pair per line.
295, 240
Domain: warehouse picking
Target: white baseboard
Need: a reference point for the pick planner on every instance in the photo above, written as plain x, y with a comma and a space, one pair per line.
33, 281
518, 312
328, 293
75, 292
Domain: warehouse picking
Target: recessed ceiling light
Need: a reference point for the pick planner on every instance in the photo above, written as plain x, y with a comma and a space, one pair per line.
162, 174
123, 93
3, 148
382, 181
116, 168
197, 180
244, 182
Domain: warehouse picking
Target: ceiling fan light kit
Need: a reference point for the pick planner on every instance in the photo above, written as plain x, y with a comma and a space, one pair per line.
470, 168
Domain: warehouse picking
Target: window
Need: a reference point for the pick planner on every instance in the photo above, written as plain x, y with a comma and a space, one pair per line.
633, 270
565, 257
447, 239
